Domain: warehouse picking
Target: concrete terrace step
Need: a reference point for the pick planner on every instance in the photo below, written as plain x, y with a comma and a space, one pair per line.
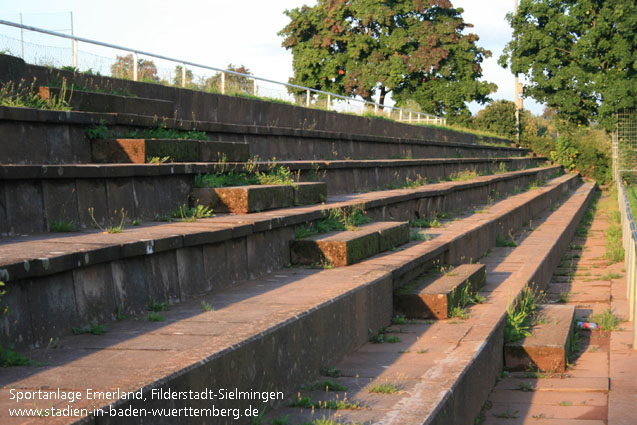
291, 318
440, 370
433, 296
75, 278
190, 104
140, 151
90, 101
32, 197
349, 247
547, 346
257, 198
34, 136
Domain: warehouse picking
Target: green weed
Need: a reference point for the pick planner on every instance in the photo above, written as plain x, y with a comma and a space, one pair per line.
154, 316
206, 306
520, 316
607, 320
63, 226
385, 388
326, 386
92, 328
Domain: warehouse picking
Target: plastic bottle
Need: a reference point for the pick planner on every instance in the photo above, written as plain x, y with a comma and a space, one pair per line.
587, 325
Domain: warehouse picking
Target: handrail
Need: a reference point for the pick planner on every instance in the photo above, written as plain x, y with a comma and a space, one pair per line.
629, 236
77, 39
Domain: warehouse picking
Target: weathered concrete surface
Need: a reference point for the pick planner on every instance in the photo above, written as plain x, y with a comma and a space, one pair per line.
349, 247
61, 134
580, 395
109, 188
547, 347
235, 110
257, 198
434, 296
140, 151
197, 350
89, 101
245, 199
443, 369
251, 244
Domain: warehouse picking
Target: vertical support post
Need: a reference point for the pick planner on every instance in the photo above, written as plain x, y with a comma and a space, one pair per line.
73, 42
409, 116
21, 37
135, 68
307, 98
375, 108
329, 101
400, 115
223, 82
74, 45
362, 107
183, 75
256, 88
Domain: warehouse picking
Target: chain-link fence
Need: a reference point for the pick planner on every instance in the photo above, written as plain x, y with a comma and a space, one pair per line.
625, 175
70, 52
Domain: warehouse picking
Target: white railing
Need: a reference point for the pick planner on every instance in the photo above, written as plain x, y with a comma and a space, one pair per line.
259, 86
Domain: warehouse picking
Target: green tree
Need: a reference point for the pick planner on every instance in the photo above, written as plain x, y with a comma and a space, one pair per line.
233, 83
579, 56
498, 117
414, 49
123, 68
178, 77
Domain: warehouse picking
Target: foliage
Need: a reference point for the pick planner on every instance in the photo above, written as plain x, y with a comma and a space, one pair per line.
327, 385
607, 320
92, 327
26, 96
232, 83
520, 316
579, 56
416, 49
178, 77
123, 68
337, 219
101, 131
582, 149
497, 117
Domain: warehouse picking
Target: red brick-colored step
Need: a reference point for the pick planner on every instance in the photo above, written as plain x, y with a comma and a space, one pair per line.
351, 246
547, 347
434, 295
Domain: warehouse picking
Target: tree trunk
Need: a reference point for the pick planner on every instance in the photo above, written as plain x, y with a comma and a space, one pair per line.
381, 99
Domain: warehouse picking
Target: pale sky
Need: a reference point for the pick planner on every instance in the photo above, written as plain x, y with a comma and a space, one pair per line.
219, 32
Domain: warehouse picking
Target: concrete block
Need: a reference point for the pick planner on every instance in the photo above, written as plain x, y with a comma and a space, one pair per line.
547, 347
347, 247
24, 207
434, 295
310, 193
245, 199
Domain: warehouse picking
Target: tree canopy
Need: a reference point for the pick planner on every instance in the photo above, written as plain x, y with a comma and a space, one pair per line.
414, 49
498, 117
579, 56
123, 68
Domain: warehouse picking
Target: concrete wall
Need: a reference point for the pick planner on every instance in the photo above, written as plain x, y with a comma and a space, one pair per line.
203, 106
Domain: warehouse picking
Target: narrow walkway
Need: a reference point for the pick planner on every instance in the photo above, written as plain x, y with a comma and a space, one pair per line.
580, 396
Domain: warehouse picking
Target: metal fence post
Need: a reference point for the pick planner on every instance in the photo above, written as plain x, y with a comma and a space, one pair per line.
409, 116
223, 82
183, 75
74, 45
256, 88
135, 66
307, 98
329, 101
400, 115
